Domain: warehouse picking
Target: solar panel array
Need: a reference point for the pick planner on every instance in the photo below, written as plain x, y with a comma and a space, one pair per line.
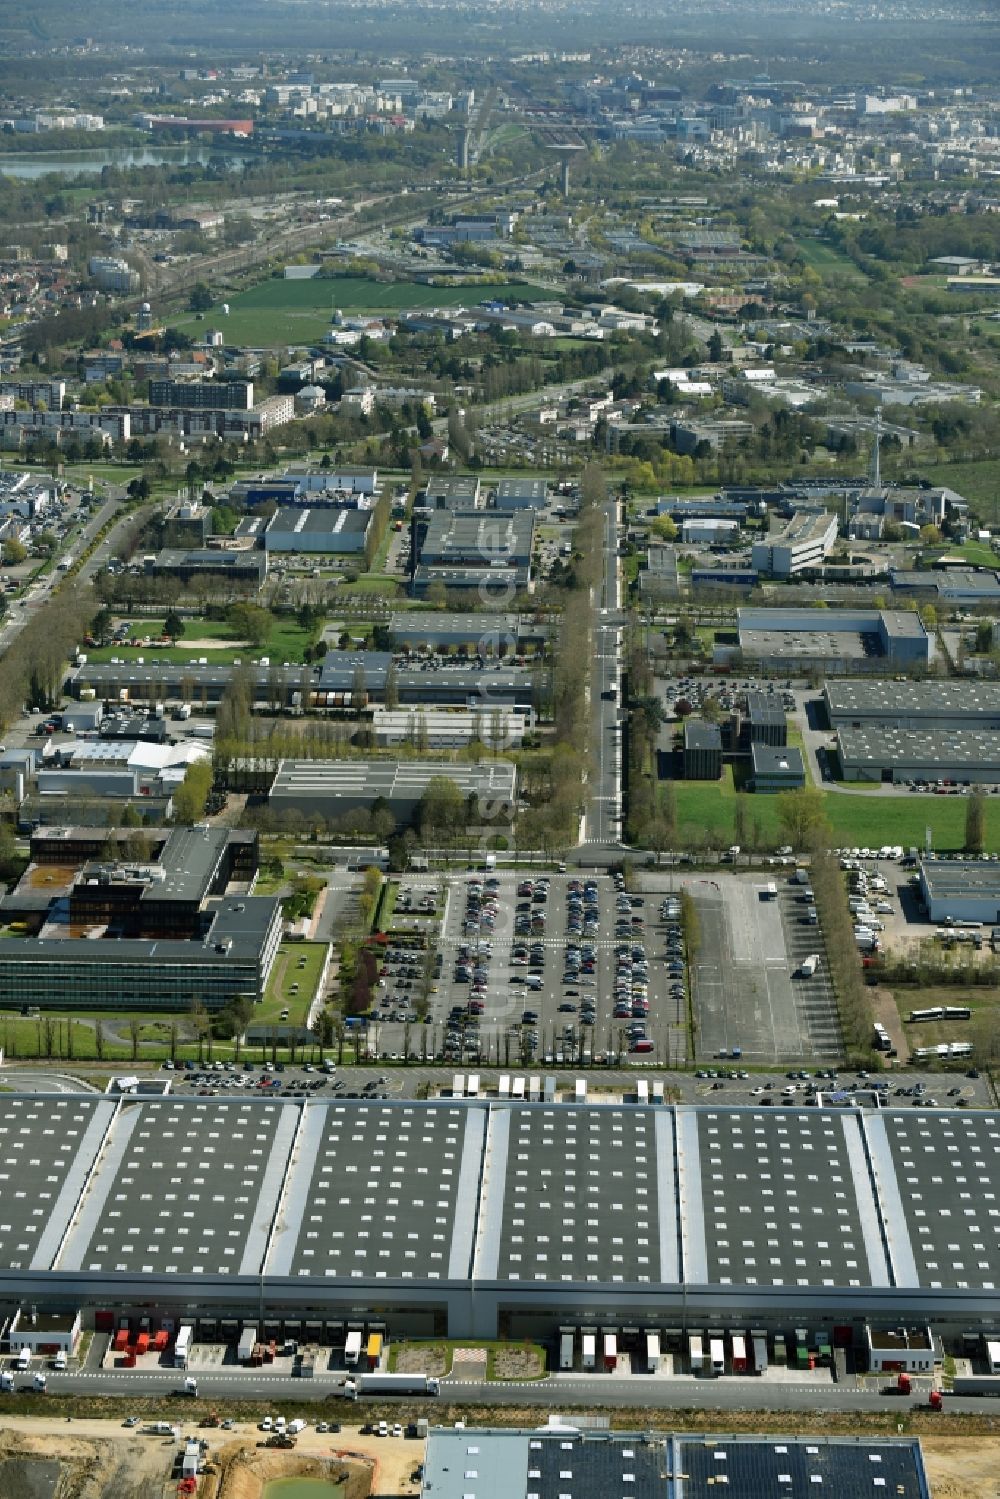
799, 1469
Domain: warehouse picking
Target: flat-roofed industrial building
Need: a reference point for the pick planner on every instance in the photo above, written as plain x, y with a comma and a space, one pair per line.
486, 634
318, 529
329, 788
450, 728
468, 1218
961, 890
776, 769
559, 1461
881, 752
834, 641
521, 494
913, 705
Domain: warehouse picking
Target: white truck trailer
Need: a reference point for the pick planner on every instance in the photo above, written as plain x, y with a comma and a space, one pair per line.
389, 1384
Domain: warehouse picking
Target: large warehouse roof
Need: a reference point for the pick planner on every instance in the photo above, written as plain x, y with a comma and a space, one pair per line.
960, 879
954, 702
47, 1148
939, 752
186, 1189
326, 1198
560, 1462
779, 1203
326, 781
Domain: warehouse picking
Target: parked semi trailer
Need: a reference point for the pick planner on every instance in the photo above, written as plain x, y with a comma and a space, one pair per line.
390, 1384
976, 1384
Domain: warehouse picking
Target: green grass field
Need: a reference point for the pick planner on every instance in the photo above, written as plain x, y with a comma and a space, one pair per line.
856, 820
979, 997
828, 262
286, 642
976, 553
286, 972
26, 1038
979, 483
299, 312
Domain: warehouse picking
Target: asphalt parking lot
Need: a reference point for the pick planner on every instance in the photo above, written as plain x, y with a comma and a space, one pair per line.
563, 950
749, 999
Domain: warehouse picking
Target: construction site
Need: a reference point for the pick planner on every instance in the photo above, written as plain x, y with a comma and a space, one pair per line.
82, 1458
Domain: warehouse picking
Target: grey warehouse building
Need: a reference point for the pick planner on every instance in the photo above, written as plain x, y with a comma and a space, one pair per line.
328, 788
521, 494
475, 1218
913, 705
325, 529
482, 634
961, 890
559, 1461
468, 686
882, 752
833, 641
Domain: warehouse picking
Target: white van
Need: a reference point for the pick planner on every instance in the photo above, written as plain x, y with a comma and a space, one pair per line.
533, 981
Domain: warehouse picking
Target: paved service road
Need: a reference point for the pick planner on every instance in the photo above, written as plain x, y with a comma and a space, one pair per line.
602, 815
561, 1391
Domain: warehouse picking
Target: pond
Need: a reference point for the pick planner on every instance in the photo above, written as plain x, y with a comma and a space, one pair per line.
302, 1488
34, 164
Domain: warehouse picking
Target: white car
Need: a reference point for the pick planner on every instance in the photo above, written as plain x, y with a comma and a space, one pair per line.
755, 1092
266, 1424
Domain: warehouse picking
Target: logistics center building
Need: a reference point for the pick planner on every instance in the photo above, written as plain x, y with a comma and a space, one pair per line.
913, 705
478, 1219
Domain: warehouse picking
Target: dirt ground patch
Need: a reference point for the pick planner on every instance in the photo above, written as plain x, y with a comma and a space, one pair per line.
517, 1363
94, 1463
244, 1474
963, 1468
423, 1358
886, 1011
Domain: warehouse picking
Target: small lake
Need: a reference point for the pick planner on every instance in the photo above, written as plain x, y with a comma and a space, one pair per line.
31, 165
302, 1488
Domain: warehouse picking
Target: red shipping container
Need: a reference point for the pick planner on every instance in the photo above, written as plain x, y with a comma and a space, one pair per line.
121, 1340
161, 1340
130, 1360
142, 1343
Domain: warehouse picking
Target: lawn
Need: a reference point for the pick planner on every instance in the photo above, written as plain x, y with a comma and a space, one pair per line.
707, 808
975, 553
979, 483
216, 639
286, 972
979, 997
27, 1038
300, 312
827, 261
